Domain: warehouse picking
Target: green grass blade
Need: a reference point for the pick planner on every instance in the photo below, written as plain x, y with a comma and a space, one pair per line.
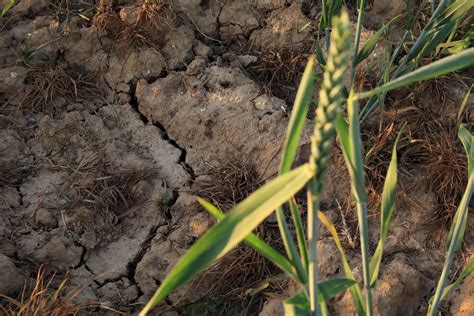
435, 69
467, 140
437, 36
299, 304
255, 242
300, 237
298, 117
319, 54
361, 4
343, 137
389, 197
330, 288
356, 293
454, 11
464, 274
7, 7
456, 233
369, 46
456, 236
295, 128
239, 222
290, 246
357, 162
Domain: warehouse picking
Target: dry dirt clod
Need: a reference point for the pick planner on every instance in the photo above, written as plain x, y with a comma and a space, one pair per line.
11, 279
45, 218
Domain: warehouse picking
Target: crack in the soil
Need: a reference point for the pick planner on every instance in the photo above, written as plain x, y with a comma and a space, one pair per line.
182, 157
144, 249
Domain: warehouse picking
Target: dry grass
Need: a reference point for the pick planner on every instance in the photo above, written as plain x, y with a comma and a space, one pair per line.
443, 158
113, 193
50, 83
279, 70
43, 300
67, 8
227, 183
429, 143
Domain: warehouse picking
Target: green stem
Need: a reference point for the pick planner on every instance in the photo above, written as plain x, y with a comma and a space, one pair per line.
300, 236
364, 245
451, 251
313, 236
290, 246
356, 43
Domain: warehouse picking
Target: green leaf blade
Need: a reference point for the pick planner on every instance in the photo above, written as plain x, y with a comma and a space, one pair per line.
433, 70
239, 222
299, 304
255, 242
298, 117
371, 43
389, 197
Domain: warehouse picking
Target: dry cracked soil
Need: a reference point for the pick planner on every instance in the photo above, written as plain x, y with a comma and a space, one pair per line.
115, 114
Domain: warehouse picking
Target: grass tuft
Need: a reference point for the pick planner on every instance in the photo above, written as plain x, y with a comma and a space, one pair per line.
279, 71
46, 84
114, 193
142, 25
43, 300
227, 183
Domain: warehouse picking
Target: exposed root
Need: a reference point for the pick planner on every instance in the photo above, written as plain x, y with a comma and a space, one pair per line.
141, 25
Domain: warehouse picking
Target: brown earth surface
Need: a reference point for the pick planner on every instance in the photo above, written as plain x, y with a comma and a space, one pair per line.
115, 114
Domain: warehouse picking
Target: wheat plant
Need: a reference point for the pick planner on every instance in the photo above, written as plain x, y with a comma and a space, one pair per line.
300, 262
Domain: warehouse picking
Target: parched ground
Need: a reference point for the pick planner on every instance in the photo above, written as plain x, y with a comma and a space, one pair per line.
114, 114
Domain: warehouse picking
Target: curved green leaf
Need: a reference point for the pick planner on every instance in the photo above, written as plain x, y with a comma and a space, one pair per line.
299, 304
389, 197
298, 117
464, 274
435, 69
355, 144
239, 222
369, 46
300, 236
467, 140
255, 242
7, 7
356, 293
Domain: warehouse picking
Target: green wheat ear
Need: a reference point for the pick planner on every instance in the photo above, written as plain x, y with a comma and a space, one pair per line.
330, 97
330, 100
